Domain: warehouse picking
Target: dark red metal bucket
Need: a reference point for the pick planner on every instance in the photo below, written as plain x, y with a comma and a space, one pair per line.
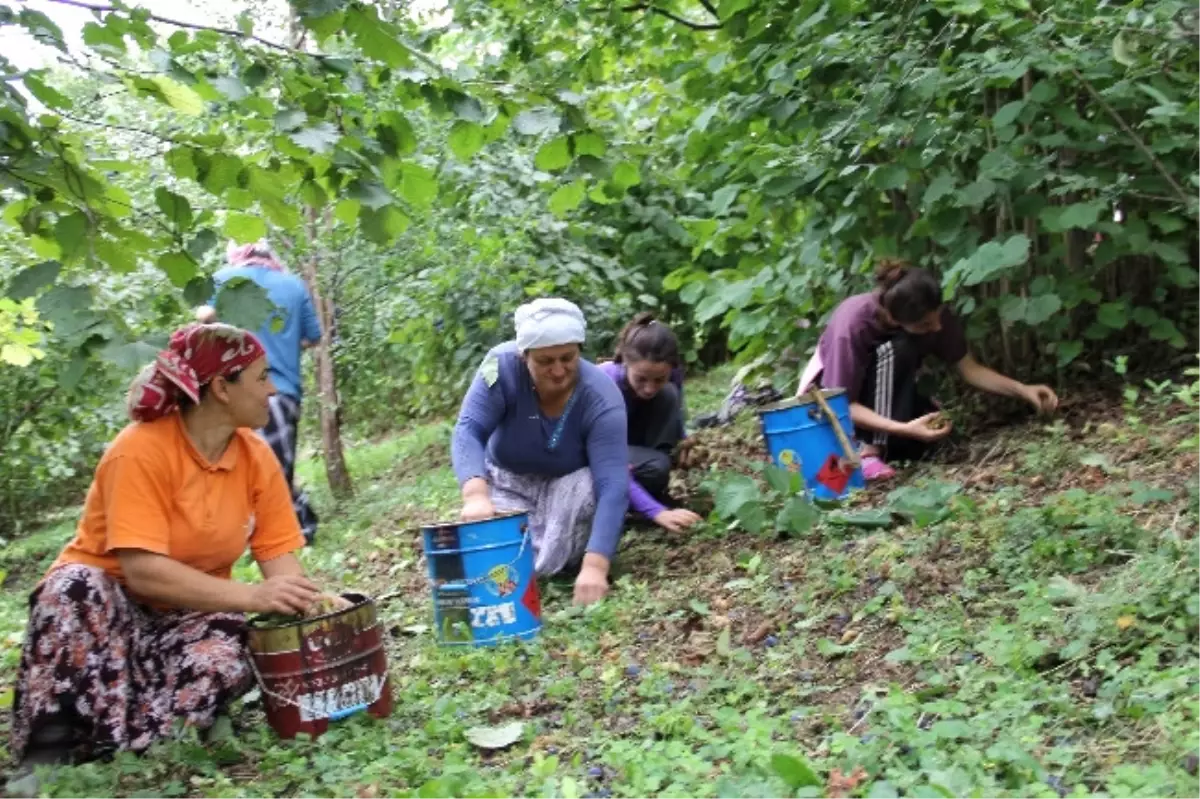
318, 670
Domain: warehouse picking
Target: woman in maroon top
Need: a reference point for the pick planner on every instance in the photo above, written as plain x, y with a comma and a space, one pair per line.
873, 347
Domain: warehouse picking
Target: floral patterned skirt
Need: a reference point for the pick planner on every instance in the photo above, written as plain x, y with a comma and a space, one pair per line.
119, 673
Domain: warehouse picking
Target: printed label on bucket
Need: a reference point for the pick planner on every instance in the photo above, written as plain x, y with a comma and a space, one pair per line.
332, 701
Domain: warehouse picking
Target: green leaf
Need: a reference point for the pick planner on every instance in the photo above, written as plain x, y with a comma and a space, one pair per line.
178, 267
783, 185
723, 198
991, 260
732, 494
626, 175
590, 144
383, 225
1121, 51
103, 39
567, 198
977, 193
466, 107
537, 121
723, 643
795, 771
231, 87
179, 159
1114, 315
244, 303
1068, 351
49, 96
222, 173
201, 243
1145, 316
1079, 215
346, 211
319, 138
290, 119
1008, 113
395, 134
871, 518
199, 290
418, 186
730, 7
118, 256
950, 729
496, 737
28, 282
890, 177
70, 232
175, 207
175, 94
752, 516
244, 228
797, 516
942, 186
1164, 330
553, 155
370, 193
375, 38
1040, 308
466, 139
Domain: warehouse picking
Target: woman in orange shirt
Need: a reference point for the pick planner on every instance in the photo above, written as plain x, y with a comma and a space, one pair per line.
138, 625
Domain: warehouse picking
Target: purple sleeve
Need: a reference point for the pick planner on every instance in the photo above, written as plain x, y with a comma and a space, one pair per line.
951, 345
641, 502
842, 365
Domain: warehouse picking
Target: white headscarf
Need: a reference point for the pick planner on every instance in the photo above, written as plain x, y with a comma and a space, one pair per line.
549, 322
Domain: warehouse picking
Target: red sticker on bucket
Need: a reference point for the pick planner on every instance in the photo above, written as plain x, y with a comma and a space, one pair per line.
833, 476
532, 600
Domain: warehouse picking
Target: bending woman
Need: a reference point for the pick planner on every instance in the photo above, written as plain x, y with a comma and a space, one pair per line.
542, 430
137, 625
647, 369
873, 347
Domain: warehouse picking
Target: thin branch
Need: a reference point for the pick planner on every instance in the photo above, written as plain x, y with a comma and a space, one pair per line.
710, 8
105, 9
1137, 140
696, 26
283, 48
115, 126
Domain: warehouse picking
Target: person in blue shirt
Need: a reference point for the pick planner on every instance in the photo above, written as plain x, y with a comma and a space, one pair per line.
543, 431
290, 330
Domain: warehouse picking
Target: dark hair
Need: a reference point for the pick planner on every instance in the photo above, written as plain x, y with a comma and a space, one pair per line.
185, 403
647, 339
906, 292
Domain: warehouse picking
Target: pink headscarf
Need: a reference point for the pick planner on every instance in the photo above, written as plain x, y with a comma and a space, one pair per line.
258, 253
196, 355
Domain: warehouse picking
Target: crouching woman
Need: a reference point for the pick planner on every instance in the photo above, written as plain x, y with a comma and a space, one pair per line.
542, 430
138, 626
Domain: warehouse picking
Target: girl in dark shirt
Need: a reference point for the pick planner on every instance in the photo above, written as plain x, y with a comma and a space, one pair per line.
873, 347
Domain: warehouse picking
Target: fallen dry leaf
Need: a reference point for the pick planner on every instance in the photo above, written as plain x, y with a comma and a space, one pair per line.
1125, 622
760, 632
842, 785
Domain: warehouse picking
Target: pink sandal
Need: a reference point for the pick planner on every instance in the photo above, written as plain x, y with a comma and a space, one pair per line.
873, 468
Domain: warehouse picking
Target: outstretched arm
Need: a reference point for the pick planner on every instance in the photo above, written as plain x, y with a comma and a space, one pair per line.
1042, 398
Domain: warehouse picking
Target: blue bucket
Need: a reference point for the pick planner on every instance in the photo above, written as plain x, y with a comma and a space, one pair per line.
801, 439
484, 588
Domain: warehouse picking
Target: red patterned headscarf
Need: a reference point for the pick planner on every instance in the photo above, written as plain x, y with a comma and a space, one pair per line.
196, 355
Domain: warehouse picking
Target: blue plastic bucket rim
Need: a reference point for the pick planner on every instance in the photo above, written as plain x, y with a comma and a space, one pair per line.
508, 514
800, 402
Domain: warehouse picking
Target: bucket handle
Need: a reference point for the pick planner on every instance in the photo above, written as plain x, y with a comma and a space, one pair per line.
461, 585
278, 697
852, 457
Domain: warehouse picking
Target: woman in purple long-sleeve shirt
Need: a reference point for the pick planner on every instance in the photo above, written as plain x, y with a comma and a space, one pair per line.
543, 431
646, 367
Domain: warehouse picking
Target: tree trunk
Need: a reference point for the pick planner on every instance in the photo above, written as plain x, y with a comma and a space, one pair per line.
328, 401
336, 471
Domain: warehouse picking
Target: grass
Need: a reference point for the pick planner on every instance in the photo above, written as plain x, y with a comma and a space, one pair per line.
1030, 630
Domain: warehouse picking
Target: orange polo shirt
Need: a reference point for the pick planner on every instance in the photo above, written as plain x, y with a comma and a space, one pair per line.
154, 491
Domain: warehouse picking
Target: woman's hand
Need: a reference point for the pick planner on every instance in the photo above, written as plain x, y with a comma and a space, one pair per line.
677, 520
928, 428
328, 603
1042, 398
286, 594
592, 583
477, 501
478, 508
